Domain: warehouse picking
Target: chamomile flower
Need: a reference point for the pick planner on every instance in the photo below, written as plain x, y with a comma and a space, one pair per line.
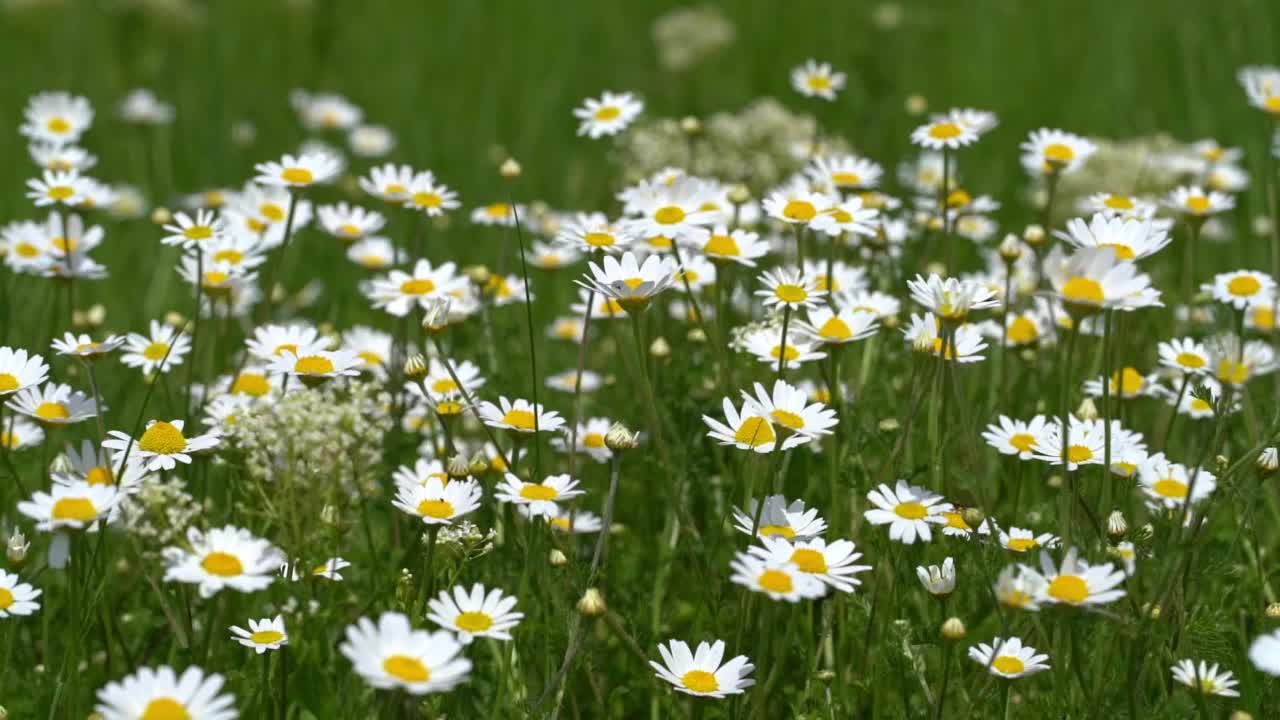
17, 599
1264, 653
943, 133
779, 519
1199, 408
226, 557
908, 510
162, 444
1205, 678
474, 613
437, 502
609, 115
602, 308
371, 141
833, 563
519, 416
815, 79
314, 365
788, 409
1194, 201
882, 305
541, 497
848, 218
388, 182
74, 507
952, 299
373, 347
788, 287
1020, 540
374, 253
702, 673
752, 429
141, 107
578, 522
965, 346
422, 471
91, 465
738, 246
1085, 443
829, 327
1093, 279
162, 350
1126, 383
1172, 485
1261, 84
56, 117
399, 292
590, 439
674, 211
325, 111
19, 434
767, 346
392, 655
62, 157
54, 404
1186, 355
1019, 587
262, 635
796, 205
940, 581
1234, 365
65, 187
780, 580
1016, 437
1119, 205
161, 693
1240, 288
593, 233
349, 223
631, 283
1052, 152
1131, 239
1008, 658
497, 214
431, 197
20, 371
1077, 583
330, 569
299, 171
844, 173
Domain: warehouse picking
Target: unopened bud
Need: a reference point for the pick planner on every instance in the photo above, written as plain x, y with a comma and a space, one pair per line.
619, 438
557, 558
696, 335
888, 425
953, 629
415, 368
1116, 524
95, 315
973, 517
1268, 462
660, 348
330, 515
690, 125
1273, 611
435, 316
458, 467
826, 676
243, 133
739, 194
510, 169
1010, 248
1033, 235
1152, 610
1240, 715
916, 104
1087, 410
16, 550
174, 320
936, 268
478, 465
1054, 481
592, 603
478, 274
161, 216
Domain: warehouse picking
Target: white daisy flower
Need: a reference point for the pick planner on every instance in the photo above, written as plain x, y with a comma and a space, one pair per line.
631, 283
780, 580
778, 519
162, 444
609, 115
673, 211
966, 344
225, 557
20, 371
19, 434
952, 299
1008, 658
393, 655
590, 439
1077, 583
1264, 653
388, 182
789, 287
399, 292
788, 408
940, 581
54, 404
1241, 288
474, 613
828, 327
752, 429
541, 498
52, 156
349, 223
371, 141
1092, 279
17, 599
65, 187
519, 416
1016, 437
75, 507
767, 346
796, 205
908, 510
162, 693
162, 350
1169, 485
945, 133
1131, 239
834, 564
815, 79
1019, 588
1194, 201
847, 217
262, 635
437, 502
56, 117
300, 171
312, 365
702, 673
1184, 354
844, 173
738, 246
1205, 678
1051, 152
374, 253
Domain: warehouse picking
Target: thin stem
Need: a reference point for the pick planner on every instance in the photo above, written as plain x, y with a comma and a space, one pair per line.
533, 351
782, 349
269, 286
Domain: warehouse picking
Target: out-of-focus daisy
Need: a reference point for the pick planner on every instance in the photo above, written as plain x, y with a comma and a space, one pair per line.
349, 222
1018, 587
160, 693
938, 580
75, 507
778, 580
579, 521
19, 371
1052, 152
847, 217
1008, 658
1234, 365
1205, 678
815, 79
1131, 239
54, 404
702, 673
609, 115
262, 635
631, 283
225, 557
162, 444
1126, 383
474, 613
1119, 205
371, 141
164, 345
1240, 288
399, 292
17, 599
767, 346
1077, 583
796, 205
393, 655
908, 510
965, 346
498, 214
1020, 540
951, 299
299, 171
65, 187
943, 133
591, 233
519, 416
779, 519
844, 173
1264, 653
373, 347
374, 253
313, 365
540, 497
141, 107
325, 111
1016, 437
62, 157
1092, 279
882, 305
1170, 485
422, 470
20, 434
833, 563
590, 439
388, 182
56, 117
1194, 201
436, 502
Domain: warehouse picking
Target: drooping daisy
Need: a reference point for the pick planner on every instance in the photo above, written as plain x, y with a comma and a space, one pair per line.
631, 283
1008, 658
796, 205
590, 439
789, 409
702, 673
1092, 279
833, 564
788, 287
160, 693
1016, 437
779, 519
1172, 485
780, 580
1131, 239
74, 507
943, 133
907, 509
54, 404
939, 580
374, 253
1205, 678
299, 171
65, 187
161, 351
519, 416
951, 299
17, 599
609, 115
815, 79
540, 497
1077, 583
225, 557
19, 371
393, 655
1194, 201
313, 365
1241, 288
437, 502
162, 444
262, 635
1052, 152
474, 613
965, 346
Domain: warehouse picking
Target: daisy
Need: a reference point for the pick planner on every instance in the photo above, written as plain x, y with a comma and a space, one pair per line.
438, 502
475, 613
1194, 201
423, 470
788, 287
160, 351
674, 211
19, 371
1019, 587
262, 635
778, 519
429, 196
399, 292
702, 673
1240, 288
497, 214
940, 581
393, 655
881, 305
161, 693
61, 157
74, 507
374, 253
767, 345
1205, 678
788, 408
1118, 205
263, 211
844, 173
519, 416
91, 465
1016, 437
1131, 239
833, 564
1194, 404
1092, 279
226, 557
1264, 653
1008, 658
373, 347
578, 522
325, 111
162, 444
330, 569
541, 498
1184, 354
56, 117
609, 115
299, 171
1236, 366
796, 205
951, 299
388, 182
1052, 152
216, 280
54, 404
965, 346
1085, 443
241, 251
980, 121
630, 283
907, 509
66, 187
590, 439
592, 233
1262, 87
19, 434
780, 580
846, 218
815, 79
737, 246
943, 133
272, 341
349, 222
371, 141
16, 599
313, 365
1172, 485
752, 429
825, 326
1126, 383
1077, 583
1019, 540
956, 526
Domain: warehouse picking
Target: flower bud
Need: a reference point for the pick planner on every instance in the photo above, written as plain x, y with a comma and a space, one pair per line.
1273, 611
330, 515
826, 676
660, 348
916, 104
690, 125
435, 316
1240, 715
739, 194
1010, 248
478, 465
1054, 481
889, 425
696, 335
510, 169
1033, 235
415, 368
557, 558
161, 216
973, 517
175, 320
592, 603
1088, 411
16, 550
458, 467
619, 438
1116, 525
953, 629
1268, 462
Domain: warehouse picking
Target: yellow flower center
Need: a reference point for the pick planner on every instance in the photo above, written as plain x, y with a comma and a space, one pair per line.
775, 581
801, 210
165, 708
215, 278
78, 509
58, 125
700, 681
1170, 488
599, 239
222, 564
61, 192
6, 599
1123, 252
272, 212
406, 669
593, 440
809, 560
835, 329
266, 637
1128, 380
313, 365
198, 232
63, 245
1016, 599
787, 419
473, 622
1244, 286
1008, 664
911, 511
782, 531
790, 354
1233, 372
945, 131
427, 199
52, 411
251, 384
789, 293
818, 83
722, 245
417, 286
297, 176
754, 432
1021, 544
1198, 203
1272, 104
1069, 589
349, 230
156, 351
231, 257
669, 215
100, 476
1264, 318
531, 491
1079, 454
26, 250
438, 509
497, 211
162, 438
1190, 360
1083, 289
607, 113
370, 358
956, 520
8, 382
1200, 405
520, 419
1024, 442
1059, 153
1023, 330
1118, 202
846, 179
